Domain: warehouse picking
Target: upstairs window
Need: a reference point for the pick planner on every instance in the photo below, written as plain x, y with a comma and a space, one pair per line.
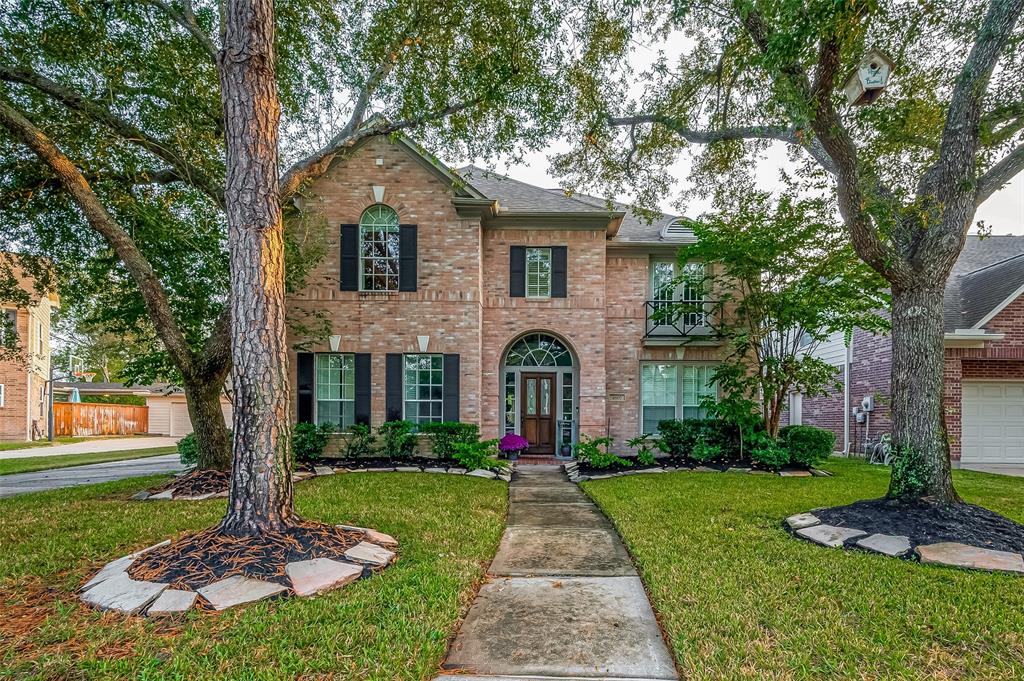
538, 272
379, 249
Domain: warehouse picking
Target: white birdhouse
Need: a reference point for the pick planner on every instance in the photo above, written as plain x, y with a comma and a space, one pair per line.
868, 80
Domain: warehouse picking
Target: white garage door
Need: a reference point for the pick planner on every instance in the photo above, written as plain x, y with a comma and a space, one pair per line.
993, 422
181, 424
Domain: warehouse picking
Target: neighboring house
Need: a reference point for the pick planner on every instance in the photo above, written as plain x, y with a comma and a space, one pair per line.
23, 399
984, 391
466, 295
168, 410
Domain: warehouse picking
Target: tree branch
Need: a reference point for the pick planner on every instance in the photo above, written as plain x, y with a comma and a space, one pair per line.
187, 20
78, 187
999, 174
76, 102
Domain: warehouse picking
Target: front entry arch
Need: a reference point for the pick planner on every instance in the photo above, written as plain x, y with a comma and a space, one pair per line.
540, 393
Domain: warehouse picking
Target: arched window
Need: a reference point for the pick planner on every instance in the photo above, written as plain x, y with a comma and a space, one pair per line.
378, 249
538, 350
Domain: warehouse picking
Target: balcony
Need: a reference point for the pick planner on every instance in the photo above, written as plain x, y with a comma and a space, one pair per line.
671, 321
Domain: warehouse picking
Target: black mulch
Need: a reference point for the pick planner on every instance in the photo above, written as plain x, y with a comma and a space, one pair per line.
929, 523
677, 462
196, 483
197, 560
378, 462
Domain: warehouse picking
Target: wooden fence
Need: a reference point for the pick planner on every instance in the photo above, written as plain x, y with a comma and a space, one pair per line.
85, 418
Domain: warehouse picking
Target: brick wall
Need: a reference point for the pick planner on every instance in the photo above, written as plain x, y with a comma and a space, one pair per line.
24, 378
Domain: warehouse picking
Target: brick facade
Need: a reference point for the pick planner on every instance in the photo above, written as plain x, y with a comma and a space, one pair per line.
23, 412
463, 300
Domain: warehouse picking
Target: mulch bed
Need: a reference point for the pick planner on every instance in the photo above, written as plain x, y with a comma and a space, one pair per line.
200, 559
196, 483
377, 462
679, 462
929, 523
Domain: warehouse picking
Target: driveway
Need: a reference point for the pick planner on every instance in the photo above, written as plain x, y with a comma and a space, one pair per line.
21, 483
1016, 470
98, 445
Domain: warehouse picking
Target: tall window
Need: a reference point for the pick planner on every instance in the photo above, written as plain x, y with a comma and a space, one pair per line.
538, 272
378, 249
665, 289
674, 391
336, 389
424, 388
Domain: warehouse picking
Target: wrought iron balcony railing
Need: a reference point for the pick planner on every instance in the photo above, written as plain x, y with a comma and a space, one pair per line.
676, 318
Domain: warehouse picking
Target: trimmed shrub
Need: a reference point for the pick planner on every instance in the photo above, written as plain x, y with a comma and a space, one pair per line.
444, 435
359, 442
645, 446
309, 440
399, 438
478, 454
188, 450
704, 451
718, 438
769, 453
807, 445
593, 451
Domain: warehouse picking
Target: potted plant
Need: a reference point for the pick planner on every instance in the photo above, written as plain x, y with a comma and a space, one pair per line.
513, 445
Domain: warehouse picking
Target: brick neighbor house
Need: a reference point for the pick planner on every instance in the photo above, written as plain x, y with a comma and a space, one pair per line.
23, 397
984, 391
466, 295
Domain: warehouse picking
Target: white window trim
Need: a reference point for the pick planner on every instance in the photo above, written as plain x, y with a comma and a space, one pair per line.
390, 229
550, 263
679, 406
3, 394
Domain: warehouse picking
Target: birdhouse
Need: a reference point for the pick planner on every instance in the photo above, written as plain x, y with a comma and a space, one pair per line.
866, 82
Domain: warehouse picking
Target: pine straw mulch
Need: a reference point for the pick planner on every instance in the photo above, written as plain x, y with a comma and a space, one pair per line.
197, 560
196, 483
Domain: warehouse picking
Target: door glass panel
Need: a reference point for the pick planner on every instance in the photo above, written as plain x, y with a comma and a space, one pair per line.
531, 396
545, 397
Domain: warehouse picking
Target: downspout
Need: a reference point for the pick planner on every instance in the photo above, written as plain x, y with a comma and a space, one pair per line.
846, 397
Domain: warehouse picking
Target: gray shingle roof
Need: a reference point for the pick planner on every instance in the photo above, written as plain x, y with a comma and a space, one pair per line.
988, 271
636, 227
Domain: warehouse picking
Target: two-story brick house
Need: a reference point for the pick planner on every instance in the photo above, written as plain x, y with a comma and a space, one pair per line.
466, 295
23, 376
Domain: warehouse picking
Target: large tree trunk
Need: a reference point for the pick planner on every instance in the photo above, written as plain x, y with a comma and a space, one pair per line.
204, 410
921, 467
261, 488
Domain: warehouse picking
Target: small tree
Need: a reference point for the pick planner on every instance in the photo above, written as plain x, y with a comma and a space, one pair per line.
783, 278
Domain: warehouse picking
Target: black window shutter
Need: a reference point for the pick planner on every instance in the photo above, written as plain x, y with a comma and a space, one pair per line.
559, 266
349, 257
517, 271
362, 376
450, 405
407, 257
393, 387
304, 383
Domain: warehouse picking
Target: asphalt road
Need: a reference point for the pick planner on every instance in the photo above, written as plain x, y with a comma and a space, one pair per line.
58, 478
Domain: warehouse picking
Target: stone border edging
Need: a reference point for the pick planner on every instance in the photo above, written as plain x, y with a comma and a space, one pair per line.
807, 526
572, 470
112, 589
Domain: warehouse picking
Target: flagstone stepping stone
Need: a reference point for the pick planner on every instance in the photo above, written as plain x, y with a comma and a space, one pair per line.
802, 520
198, 497
482, 473
962, 555
158, 545
123, 593
315, 576
381, 469
435, 470
323, 470
237, 590
505, 477
738, 469
706, 469
372, 535
829, 535
795, 474
818, 473
166, 494
172, 602
111, 569
370, 554
888, 544
457, 471
140, 496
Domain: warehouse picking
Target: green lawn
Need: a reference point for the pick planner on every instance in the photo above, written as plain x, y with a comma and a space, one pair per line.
393, 626
42, 463
740, 598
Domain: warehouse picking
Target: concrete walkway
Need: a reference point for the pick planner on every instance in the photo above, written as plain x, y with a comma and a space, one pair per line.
119, 444
73, 476
562, 600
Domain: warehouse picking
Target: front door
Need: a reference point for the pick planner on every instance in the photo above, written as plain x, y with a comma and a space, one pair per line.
537, 413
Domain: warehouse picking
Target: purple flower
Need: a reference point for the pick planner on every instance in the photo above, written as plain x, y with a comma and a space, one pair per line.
513, 443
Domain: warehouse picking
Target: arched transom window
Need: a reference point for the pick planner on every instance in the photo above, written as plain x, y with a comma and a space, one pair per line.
378, 249
538, 350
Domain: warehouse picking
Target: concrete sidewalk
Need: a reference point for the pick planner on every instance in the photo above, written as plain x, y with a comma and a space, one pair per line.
563, 600
118, 444
73, 476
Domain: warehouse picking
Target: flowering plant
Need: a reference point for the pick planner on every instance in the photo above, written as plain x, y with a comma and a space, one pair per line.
513, 443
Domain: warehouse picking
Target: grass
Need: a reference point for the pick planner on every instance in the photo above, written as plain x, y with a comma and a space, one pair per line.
42, 463
393, 626
739, 598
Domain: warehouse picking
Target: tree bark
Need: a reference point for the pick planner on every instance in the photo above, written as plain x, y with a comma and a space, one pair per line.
211, 431
261, 489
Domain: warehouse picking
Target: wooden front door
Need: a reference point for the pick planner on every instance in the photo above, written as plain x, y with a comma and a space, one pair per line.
536, 412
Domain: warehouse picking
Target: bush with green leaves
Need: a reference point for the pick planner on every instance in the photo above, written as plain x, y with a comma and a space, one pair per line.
645, 446
359, 442
188, 450
478, 454
398, 438
444, 435
807, 445
593, 451
714, 437
309, 440
705, 451
768, 452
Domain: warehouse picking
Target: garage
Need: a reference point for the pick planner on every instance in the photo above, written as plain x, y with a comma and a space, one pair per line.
181, 424
993, 422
